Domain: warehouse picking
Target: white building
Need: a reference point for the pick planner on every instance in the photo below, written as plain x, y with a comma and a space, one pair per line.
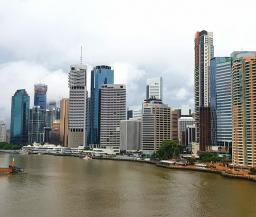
77, 106
136, 111
112, 111
130, 134
154, 88
2, 132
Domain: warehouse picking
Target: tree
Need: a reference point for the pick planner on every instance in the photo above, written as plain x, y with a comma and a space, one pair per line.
7, 146
169, 149
209, 157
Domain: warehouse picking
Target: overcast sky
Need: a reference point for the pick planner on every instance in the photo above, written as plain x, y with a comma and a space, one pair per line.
140, 39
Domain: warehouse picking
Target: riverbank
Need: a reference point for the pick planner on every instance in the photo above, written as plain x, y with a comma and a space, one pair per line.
225, 172
10, 151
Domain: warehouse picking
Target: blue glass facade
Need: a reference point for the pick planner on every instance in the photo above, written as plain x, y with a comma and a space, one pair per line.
99, 75
220, 100
19, 117
40, 95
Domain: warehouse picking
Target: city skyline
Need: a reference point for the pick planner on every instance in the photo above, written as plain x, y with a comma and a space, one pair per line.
127, 108
136, 48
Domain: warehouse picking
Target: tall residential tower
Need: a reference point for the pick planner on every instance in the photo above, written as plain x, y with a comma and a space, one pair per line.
204, 52
244, 109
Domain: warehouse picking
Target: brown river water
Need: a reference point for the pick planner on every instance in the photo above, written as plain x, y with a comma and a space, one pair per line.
72, 187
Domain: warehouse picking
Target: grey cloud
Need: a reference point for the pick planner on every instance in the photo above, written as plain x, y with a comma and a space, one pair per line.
40, 39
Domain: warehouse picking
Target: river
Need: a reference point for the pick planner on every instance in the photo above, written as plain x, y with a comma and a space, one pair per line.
71, 187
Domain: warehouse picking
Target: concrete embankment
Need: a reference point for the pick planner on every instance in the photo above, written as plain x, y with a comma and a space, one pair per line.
234, 176
10, 151
197, 169
126, 159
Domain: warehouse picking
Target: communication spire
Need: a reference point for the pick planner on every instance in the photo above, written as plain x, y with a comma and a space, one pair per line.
81, 57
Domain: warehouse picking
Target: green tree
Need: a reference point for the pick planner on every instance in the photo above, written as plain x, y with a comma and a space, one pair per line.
209, 157
7, 146
169, 149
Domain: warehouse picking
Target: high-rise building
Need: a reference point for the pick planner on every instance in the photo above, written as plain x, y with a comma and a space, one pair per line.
19, 117
40, 95
244, 109
2, 131
100, 75
175, 115
134, 112
130, 134
64, 105
55, 132
204, 52
156, 126
8, 136
36, 125
112, 111
154, 88
183, 123
220, 101
77, 134
52, 113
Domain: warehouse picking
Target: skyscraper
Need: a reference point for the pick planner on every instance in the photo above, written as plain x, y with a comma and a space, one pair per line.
40, 95
2, 131
77, 106
112, 111
154, 88
220, 101
204, 52
19, 117
244, 109
100, 75
156, 120
36, 126
64, 105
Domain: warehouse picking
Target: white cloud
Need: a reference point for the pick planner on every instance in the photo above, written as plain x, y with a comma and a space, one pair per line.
23, 75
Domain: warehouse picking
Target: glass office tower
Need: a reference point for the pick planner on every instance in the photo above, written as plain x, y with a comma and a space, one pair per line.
19, 117
99, 75
220, 101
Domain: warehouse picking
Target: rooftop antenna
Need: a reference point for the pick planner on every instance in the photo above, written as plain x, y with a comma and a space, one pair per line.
81, 57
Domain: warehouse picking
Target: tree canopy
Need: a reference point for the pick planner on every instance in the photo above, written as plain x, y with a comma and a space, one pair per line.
209, 157
7, 146
169, 149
